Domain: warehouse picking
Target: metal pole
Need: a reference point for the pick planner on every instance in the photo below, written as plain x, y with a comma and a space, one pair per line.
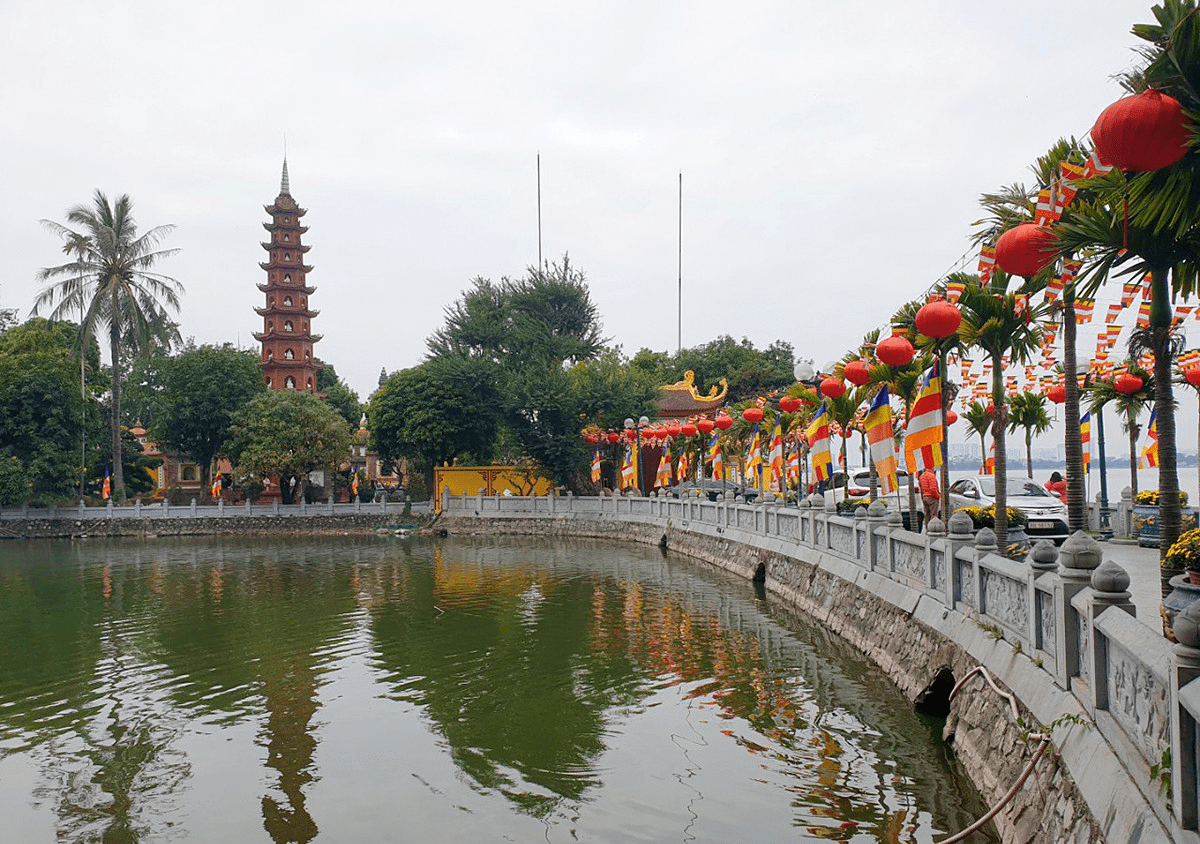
943, 377
679, 340
1105, 527
539, 209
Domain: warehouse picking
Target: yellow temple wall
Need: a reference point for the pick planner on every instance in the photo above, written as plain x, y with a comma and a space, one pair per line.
490, 480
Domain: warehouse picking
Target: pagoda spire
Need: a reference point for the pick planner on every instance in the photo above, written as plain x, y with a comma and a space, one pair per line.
283, 182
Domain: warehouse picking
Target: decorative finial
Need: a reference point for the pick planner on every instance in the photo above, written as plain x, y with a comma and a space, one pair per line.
283, 183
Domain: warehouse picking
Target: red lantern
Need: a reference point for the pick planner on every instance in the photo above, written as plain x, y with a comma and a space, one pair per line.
1057, 393
673, 430
938, 319
1127, 383
895, 351
857, 372
687, 429
705, 425
951, 417
1192, 374
1025, 249
592, 437
991, 409
753, 415
631, 434
613, 437
789, 404
833, 387
1141, 133
724, 421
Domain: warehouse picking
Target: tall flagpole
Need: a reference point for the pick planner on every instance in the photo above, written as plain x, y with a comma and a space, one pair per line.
679, 340
539, 204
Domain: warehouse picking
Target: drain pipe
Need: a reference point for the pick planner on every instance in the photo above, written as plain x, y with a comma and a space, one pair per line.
1043, 742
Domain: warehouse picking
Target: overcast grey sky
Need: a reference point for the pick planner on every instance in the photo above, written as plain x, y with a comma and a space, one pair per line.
832, 154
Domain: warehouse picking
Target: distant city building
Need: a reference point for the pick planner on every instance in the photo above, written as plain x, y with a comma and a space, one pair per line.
287, 338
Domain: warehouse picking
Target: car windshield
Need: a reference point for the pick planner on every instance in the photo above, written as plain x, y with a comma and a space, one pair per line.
1015, 487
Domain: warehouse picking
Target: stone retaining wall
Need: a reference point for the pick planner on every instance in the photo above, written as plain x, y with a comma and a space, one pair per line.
913, 640
147, 528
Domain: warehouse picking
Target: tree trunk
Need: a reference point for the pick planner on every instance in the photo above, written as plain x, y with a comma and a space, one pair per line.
1076, 497
1029, 453
1001, 478
1164, 410
118, 468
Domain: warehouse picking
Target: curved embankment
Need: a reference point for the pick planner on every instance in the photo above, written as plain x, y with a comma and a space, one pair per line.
1079, 792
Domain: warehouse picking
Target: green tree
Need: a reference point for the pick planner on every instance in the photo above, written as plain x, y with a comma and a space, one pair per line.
112, 281
445, 408
1028, 411
993, 323
335, 391
203, 391
41, 413
288, 434
748, 371
979, 422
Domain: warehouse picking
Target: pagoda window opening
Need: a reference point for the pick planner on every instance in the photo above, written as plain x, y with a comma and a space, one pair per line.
290, 383
287, 238
287, 300
187, 472
310, 386
289, 355
270, 326
287, 279
287, 326
287, 256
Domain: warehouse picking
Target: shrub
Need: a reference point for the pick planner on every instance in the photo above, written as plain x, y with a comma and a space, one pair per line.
1149, 497
985, 517
1185, 553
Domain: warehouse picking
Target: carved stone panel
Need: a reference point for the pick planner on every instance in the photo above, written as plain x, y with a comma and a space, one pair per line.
1138, 701
966, 582
1005, 600
1085, 670
938, 559
909, 559
1047, 632
841, 538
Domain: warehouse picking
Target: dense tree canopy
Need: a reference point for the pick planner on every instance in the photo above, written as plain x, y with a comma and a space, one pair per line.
338, 395
288, 434
749, 371
202, 391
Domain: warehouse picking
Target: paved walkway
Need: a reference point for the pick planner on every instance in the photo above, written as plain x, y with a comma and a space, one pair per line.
1142, 565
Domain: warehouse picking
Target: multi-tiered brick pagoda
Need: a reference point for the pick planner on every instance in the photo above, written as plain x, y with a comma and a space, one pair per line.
287, 338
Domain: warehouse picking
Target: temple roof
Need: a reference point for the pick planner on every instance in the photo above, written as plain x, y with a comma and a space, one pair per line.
292, 227
680, 400
269, 265
281, 287
299, 247
283, 310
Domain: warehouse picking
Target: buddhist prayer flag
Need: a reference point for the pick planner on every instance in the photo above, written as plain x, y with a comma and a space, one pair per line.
1143, 317
106, 489
754, 459
1095, 167
685, 466
1128, 291
217, 484
1114, 311
817, 435
1085, 440
987, 266
793, 466
1083, 310
1150, 452
353, 487
663, 478
883, 441
1181, 313
714, 454
923, 435
596, 466
775, 459
628, 468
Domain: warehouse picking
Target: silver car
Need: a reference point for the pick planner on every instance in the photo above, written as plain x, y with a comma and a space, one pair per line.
1046, 514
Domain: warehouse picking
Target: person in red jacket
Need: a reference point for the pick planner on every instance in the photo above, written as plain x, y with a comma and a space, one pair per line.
931, 496
1057, 486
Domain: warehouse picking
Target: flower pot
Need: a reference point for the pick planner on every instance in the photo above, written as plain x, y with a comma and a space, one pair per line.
1193, 577
1145, 523
1182, 595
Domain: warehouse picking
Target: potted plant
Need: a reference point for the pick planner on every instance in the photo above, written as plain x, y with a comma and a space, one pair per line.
1185, 554
1145, 516
985, 517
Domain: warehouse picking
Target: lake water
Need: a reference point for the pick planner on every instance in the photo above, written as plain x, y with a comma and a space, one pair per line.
366, 689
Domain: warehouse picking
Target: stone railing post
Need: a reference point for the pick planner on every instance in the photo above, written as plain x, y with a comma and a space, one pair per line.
220, 507
876, 515
1078, 557
81, 508
552, 497
958, 536
1110, 585
1185, 669
193, 507
1043, 563
935, 534
1122, 524
985, 543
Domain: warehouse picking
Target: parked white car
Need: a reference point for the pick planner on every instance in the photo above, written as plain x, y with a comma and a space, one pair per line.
859, 486
1047, 515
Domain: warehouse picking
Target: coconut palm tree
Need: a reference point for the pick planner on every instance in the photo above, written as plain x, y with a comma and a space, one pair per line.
1129, 407
112, 281
993, 322
1028, 411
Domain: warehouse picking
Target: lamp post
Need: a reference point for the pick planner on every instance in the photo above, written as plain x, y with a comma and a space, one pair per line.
630, 425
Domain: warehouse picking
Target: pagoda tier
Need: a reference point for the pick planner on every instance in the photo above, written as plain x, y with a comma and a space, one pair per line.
292, 288
284, 311
271, 265
287, 339
285, 227
284, 245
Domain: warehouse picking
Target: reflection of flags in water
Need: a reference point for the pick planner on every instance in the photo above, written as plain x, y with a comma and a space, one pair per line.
663, 478
775, 458
1150, 452
1085, 441
596, 466
106, 489
718, 460
628, 474
883, 441
923, 434
685, 466
817, 434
